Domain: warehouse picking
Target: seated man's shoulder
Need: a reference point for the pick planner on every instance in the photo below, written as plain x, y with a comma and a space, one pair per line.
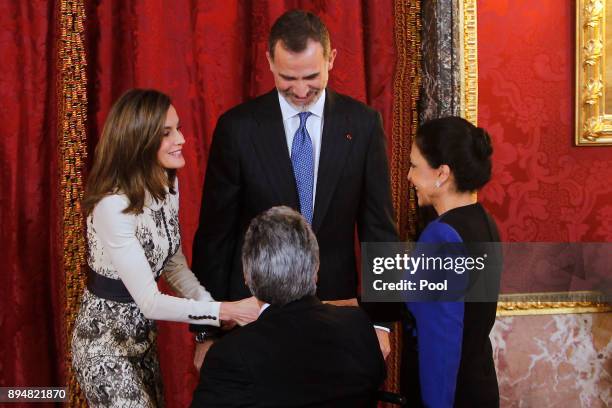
236, 338
348, 315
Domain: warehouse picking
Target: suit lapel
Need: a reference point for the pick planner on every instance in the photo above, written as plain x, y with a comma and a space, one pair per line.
335, 147
271, 147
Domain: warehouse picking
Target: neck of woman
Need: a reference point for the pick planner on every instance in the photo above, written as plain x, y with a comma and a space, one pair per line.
451, 201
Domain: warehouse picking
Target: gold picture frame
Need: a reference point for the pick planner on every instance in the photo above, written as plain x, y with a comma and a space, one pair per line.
593, 122
469, 61
543, 303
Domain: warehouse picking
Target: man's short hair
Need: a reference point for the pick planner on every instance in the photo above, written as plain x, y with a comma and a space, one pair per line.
294, 28
280, 256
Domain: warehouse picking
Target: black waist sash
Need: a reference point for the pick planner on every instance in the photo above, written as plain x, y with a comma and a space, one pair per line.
107, 288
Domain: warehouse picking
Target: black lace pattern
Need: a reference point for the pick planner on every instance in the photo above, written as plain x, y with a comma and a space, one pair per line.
114, 350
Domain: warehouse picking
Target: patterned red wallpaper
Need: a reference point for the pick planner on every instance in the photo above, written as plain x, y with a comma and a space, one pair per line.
543, 187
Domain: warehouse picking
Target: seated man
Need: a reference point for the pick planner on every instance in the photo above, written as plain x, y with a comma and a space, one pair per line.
299, 352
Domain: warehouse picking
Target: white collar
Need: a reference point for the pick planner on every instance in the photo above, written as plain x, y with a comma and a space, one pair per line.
263, 307
289, 111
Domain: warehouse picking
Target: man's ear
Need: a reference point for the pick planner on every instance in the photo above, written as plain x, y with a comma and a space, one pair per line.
332, 58
270, 61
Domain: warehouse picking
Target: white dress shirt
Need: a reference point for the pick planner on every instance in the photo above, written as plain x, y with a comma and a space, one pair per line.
314, 126
262, 308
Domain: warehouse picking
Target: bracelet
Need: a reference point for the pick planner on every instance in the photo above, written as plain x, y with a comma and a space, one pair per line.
201, 337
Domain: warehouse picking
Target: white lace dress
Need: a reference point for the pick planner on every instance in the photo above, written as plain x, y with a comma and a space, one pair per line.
114, 351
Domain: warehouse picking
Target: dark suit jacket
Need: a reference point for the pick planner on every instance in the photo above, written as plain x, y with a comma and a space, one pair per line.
249, 170
305, 354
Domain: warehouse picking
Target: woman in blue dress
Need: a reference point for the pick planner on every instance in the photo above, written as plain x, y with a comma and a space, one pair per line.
450, 161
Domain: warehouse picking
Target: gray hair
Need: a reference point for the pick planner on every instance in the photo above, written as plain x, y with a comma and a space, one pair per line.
280, 256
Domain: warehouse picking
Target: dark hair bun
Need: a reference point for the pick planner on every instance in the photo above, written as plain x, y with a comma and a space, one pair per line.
481, 142
463, 147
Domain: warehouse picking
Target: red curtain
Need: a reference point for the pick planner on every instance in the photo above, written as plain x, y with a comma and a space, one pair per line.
31, 294
208, 56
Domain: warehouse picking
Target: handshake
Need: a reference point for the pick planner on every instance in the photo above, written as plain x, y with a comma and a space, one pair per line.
241, 312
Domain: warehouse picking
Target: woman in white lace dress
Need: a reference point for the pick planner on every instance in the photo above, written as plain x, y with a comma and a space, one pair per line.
132, 207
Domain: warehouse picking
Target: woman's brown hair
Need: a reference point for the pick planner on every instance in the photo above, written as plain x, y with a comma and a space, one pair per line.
125, 160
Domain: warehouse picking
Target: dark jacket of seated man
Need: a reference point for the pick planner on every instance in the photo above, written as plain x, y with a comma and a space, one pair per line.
305, 354
298, 353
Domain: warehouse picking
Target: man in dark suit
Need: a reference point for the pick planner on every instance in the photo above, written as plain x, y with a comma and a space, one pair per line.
299, 352
304, 146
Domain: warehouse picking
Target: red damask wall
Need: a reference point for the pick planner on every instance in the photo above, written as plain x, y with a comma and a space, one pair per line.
543, 187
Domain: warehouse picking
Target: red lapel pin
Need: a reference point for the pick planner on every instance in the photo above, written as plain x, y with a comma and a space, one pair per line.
348, 136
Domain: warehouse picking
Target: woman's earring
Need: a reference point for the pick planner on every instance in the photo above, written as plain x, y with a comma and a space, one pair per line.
437, 184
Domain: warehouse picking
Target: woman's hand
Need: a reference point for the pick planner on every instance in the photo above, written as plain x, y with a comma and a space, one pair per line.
242, 312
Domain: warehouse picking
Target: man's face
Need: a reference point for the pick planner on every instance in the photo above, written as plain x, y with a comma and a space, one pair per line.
300, 77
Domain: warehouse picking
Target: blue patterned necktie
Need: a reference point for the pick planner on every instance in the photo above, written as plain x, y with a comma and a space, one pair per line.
302, 158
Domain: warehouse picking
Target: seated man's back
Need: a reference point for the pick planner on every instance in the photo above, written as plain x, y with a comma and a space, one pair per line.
304, 354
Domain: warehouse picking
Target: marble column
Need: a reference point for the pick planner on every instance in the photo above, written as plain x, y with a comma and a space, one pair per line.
441, 37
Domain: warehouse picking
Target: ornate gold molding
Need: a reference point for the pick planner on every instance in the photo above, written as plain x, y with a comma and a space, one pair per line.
515, 304
469, 62
72, 116
593, 125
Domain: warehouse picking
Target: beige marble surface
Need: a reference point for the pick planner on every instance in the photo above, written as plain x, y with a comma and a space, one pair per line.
554, 360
